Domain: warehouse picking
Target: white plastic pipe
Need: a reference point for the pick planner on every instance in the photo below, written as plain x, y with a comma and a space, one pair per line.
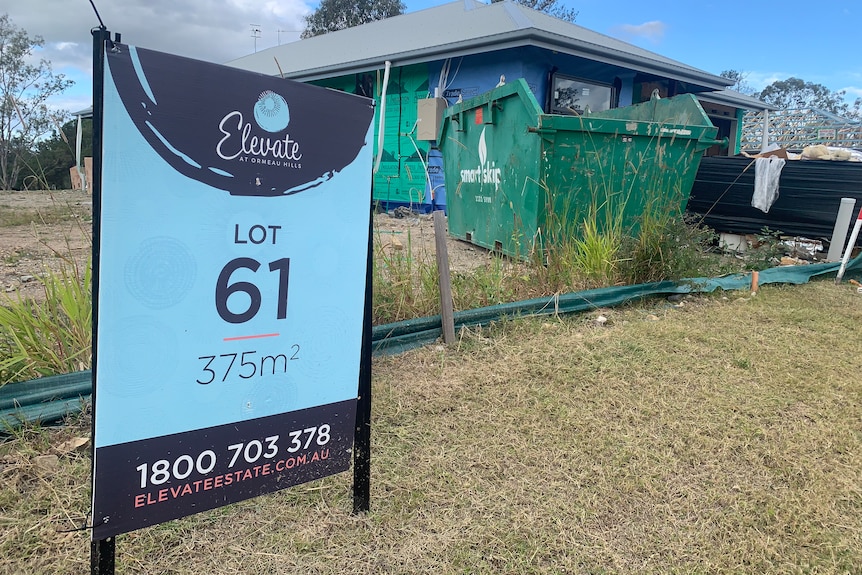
849, 249
382, 124
764, 137
84, 183
839, 233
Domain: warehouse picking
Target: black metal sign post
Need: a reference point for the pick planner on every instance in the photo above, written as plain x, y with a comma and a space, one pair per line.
362, 437
102, 552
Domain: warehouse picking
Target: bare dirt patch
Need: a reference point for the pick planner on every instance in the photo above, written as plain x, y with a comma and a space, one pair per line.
413, 233
37, 230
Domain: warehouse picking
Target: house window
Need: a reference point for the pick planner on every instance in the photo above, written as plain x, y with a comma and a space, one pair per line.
574, 96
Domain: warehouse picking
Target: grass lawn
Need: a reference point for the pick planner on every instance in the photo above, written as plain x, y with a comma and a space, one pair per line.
720, 436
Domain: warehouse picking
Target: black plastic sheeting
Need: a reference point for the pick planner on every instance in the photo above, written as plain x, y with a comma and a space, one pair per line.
50, 399
809, 194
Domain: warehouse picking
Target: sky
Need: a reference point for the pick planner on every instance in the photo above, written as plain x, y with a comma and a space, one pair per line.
767, 41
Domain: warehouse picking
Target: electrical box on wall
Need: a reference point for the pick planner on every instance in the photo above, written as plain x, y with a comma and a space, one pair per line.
429, 112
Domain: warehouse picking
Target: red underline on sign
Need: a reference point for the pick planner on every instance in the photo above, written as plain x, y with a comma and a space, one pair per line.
251, 336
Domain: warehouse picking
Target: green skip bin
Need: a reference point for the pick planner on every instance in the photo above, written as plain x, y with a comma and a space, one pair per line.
517, 178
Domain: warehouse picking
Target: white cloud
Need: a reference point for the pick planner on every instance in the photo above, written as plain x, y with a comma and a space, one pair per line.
64, 46
72, 61
71, 103
212, 30
652, 31
760, 80
852, 80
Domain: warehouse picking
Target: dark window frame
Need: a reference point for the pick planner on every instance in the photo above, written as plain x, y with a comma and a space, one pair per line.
555, 109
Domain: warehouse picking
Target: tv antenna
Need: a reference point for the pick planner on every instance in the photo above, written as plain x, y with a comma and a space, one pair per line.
255, 33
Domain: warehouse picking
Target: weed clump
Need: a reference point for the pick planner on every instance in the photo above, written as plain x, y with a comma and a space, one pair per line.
52, 336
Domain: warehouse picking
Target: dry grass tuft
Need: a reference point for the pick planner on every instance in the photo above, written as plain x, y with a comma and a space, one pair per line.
722, 436
11, 216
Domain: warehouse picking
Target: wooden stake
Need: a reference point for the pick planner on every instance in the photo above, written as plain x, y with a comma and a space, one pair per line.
446, 312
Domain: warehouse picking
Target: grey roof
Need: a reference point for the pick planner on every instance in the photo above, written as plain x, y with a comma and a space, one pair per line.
735, 100
458, 29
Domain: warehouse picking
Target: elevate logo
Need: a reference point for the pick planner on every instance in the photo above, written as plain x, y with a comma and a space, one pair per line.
272, 114
244, 133
487, 172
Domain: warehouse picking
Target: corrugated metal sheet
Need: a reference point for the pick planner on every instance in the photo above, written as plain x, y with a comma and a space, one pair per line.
809, 195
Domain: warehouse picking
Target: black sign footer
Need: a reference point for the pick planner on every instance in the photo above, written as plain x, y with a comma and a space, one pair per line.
151, 481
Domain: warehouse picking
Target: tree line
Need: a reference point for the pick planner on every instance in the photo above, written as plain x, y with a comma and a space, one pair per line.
797, 93
25, 117
37, 143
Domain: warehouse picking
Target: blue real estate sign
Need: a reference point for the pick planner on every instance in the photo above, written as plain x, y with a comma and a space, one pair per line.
232, 268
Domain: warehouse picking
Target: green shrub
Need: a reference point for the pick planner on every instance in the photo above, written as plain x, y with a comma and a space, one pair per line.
767, 251
50, 337
669, 246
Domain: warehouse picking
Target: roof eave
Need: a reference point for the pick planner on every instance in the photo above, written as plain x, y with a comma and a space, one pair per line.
631, 61
745, 104
515, 39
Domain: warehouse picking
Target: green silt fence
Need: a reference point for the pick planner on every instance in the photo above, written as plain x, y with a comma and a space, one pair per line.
50, 399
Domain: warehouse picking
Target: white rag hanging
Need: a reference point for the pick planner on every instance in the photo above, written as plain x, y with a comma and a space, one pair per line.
767, 172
